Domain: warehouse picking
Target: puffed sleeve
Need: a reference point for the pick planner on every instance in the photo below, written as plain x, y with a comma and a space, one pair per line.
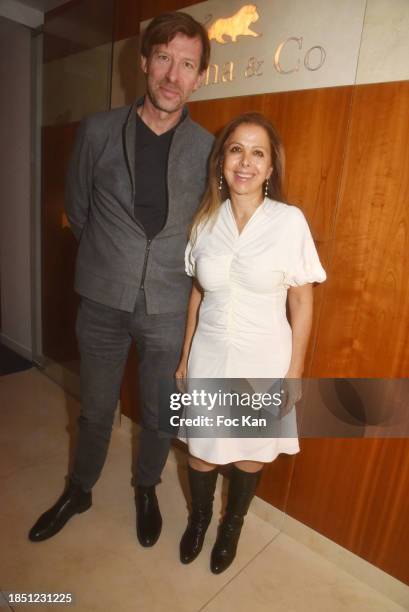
304, 265
189, 260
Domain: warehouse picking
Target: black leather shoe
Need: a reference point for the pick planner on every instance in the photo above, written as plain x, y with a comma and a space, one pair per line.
202, 487
241, 491
73, 501
148, 519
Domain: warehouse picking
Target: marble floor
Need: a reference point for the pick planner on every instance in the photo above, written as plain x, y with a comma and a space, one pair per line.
96, 557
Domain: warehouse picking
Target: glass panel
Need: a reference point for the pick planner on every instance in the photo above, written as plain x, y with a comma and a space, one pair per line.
77, 69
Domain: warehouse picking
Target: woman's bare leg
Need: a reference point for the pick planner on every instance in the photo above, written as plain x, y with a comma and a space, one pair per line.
249, 466
200, 465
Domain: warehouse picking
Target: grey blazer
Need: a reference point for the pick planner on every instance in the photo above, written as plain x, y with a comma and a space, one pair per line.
114, 256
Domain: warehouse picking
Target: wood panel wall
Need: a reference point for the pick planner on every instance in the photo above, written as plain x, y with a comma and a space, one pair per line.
58, 248
348, 169
356, 492
364, 327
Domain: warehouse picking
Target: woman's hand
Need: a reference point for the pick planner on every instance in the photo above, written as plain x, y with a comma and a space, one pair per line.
181, 375
181, 370
292, 388
300, 303
191, 322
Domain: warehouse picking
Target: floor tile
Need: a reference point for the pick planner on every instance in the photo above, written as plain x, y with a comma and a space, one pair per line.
3, 603
36, 421
289, 577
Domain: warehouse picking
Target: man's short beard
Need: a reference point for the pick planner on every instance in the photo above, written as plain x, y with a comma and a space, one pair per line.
155, 102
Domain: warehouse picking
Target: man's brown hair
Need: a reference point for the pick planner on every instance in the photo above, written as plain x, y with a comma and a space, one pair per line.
163, 29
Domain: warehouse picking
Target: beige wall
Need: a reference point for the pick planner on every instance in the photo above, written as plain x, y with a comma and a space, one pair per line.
77, 85
127, 77
384, 54
15, 188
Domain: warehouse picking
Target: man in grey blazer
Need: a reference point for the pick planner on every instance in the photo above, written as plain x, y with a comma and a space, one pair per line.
134, 182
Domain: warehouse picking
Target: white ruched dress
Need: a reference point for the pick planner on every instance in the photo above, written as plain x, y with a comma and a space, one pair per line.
242, 330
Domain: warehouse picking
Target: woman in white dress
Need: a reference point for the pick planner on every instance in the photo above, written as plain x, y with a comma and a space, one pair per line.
250, 254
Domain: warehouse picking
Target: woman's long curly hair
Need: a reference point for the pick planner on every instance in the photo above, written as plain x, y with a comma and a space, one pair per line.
213, 196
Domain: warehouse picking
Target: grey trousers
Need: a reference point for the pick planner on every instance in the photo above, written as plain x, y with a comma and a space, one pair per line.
104, 336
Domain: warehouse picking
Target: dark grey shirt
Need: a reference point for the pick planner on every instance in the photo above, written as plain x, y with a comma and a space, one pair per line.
151, 164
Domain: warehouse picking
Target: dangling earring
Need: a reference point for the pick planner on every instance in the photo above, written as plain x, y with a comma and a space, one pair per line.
266, 188
221, 180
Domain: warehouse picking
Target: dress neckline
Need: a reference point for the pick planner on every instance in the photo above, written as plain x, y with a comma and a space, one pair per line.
230, 209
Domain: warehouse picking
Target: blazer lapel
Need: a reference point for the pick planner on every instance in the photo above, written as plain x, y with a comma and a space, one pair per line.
128, 133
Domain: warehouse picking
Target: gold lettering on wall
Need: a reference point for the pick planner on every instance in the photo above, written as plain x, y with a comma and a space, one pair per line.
253, 67
212, 75
228, 72
237, 25
314, 58
322, 56
277, 55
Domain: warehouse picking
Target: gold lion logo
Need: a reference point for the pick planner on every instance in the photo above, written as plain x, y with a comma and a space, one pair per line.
237, 25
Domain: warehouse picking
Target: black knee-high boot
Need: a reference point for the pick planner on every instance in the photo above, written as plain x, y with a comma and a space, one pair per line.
202, 487
241, 491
